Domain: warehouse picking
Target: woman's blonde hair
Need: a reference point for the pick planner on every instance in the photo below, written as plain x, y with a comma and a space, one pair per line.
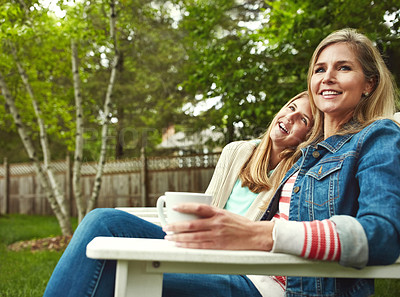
255, 172
381, 102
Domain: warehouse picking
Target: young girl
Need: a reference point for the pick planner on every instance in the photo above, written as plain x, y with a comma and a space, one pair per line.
243, 179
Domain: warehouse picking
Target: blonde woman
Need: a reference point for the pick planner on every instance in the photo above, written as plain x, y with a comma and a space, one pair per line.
341, 200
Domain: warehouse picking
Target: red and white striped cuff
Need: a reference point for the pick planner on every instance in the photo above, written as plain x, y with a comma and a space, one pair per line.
313, 240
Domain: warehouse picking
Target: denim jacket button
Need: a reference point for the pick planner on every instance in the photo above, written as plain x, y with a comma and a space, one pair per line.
316, 154
296, 189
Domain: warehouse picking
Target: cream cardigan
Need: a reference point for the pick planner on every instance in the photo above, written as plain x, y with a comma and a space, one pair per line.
226, 173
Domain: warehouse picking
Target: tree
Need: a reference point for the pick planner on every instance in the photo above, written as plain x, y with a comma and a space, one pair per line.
88, 34
225, 62
77, 184
254, 71
147, 94
14, 34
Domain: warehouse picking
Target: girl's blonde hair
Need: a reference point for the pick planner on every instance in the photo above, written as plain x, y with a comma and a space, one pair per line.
381, 102
255, 172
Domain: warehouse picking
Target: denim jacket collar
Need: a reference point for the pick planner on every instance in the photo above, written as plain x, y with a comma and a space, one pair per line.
333, 143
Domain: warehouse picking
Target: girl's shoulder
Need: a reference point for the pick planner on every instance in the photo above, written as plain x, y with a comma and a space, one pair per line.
242, 144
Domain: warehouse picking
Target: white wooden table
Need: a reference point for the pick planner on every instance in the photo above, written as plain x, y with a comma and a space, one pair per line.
142, 262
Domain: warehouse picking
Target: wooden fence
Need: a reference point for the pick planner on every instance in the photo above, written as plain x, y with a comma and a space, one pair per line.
135, 182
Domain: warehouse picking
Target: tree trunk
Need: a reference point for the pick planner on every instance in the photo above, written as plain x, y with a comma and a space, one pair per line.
76, 177
63, 220
107, 112
104, 132
119, 146
43, 137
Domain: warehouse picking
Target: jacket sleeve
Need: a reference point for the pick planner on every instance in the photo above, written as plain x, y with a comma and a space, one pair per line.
378, 176
353, 241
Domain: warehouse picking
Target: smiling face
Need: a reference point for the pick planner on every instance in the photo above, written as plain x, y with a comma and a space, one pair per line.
292, 124
338, 83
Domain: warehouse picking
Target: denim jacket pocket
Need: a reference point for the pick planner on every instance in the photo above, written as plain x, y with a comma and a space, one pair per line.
324, 188
327, 167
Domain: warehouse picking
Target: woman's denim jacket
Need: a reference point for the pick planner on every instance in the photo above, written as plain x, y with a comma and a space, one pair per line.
355, 181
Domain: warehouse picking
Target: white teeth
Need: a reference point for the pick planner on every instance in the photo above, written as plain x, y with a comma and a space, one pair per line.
283, 127
325, 93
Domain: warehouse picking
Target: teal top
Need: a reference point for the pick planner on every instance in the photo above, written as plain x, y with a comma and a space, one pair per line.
240, 199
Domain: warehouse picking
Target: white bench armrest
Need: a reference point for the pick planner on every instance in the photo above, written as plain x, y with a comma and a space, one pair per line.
142, 262
174, 259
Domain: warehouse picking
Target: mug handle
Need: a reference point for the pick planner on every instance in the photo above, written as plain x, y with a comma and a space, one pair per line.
160, 210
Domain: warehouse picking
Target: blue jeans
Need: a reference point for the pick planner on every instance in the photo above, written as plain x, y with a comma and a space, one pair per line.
76, 275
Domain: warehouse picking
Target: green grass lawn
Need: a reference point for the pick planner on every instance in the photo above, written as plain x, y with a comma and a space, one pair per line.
25, 273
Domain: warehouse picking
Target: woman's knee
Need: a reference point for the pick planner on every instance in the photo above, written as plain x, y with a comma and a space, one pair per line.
96, 221
99, 216
117, 223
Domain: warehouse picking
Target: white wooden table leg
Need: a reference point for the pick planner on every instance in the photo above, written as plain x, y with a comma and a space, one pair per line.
132, 280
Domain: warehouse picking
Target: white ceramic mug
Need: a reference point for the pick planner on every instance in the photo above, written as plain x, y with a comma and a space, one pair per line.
170, 199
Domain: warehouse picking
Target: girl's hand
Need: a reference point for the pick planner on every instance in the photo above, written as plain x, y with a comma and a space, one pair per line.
219, 229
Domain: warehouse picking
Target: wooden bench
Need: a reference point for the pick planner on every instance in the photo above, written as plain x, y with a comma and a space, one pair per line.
142, 262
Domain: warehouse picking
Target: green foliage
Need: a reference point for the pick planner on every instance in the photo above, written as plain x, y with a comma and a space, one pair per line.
257, 71
145, 96
223, 62
40, 49
211, 50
